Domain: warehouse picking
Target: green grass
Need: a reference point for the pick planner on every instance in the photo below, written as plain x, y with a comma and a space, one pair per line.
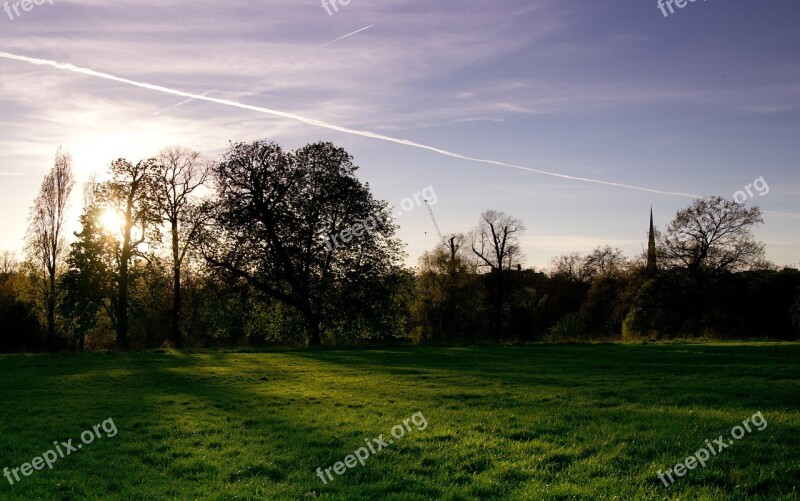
539, 422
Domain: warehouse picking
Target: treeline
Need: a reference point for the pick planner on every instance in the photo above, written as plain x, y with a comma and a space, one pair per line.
181, 251
623, 304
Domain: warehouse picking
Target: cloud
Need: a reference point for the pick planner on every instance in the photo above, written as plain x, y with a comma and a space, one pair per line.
325, 125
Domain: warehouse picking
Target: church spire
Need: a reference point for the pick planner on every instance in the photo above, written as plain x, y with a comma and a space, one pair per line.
651, 246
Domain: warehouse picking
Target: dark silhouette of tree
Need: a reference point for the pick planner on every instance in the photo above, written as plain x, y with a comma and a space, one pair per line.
604, 261
570, 267
127, 194
447, 306
495, 243
273, 223
175, 179
17, 320
8, 264
45, 238
89, 283
713, 234
585, 269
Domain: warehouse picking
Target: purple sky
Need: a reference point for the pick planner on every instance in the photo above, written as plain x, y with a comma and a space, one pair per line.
703, 101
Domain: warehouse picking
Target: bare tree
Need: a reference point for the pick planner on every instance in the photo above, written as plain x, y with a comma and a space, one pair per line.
495, 244
176, 177
45, 238
603, 261
569, 267
495, 241
714, 234
8, 264
453, 244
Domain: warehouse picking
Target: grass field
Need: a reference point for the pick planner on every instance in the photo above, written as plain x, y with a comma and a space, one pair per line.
539, 422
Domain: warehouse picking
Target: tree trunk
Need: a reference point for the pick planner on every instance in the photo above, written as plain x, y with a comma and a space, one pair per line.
175, 330
122, 306
314, 331
51, 312
498, 306
314, 335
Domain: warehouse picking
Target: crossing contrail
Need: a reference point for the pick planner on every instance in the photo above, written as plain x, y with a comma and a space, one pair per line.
206, 93
325, 125
345, 36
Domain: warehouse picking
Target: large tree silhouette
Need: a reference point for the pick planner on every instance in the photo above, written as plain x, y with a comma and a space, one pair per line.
273, 215
713, 234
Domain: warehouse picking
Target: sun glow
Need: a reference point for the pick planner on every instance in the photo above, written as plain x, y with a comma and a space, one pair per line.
112, 221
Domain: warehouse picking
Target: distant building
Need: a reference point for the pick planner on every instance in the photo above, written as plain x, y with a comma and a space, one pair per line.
652, 265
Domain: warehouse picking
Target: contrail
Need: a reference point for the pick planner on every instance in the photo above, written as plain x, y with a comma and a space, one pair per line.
319, 123
206, 93
345, 36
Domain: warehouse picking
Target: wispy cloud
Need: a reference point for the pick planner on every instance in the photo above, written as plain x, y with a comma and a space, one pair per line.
322, 124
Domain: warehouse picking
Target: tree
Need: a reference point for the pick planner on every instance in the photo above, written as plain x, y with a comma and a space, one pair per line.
126, 195
176, 177
600, 262
495, 244
713, 234
8, 265
570, 267
89, 282
45, 238
603, 261
303, 230
447, 302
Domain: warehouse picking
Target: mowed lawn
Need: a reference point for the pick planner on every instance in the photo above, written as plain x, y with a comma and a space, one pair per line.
538, 422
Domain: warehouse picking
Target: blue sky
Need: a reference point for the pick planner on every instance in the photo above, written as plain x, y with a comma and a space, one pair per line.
703, 101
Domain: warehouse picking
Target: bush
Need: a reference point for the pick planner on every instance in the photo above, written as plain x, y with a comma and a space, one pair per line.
569, 328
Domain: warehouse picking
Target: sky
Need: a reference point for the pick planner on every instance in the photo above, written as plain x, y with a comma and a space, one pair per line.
575, 116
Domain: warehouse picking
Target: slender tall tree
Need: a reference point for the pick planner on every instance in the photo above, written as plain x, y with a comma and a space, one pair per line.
45, 238
177, 176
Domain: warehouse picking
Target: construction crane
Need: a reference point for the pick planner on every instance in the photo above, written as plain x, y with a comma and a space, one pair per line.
453, 244
435, 224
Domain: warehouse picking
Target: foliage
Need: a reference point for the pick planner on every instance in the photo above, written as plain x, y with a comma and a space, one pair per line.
270, 220
267, 247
